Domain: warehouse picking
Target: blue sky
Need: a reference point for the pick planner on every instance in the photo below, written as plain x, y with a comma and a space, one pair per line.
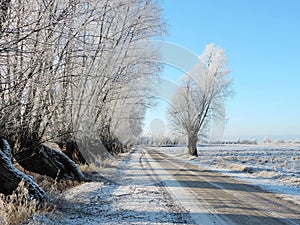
262, 42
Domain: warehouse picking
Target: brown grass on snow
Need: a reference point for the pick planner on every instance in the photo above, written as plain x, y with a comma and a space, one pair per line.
16, 208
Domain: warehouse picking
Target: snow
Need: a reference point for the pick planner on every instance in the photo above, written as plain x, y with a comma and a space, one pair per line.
185, 199
130, 197
6, 149
5, 155
272, 167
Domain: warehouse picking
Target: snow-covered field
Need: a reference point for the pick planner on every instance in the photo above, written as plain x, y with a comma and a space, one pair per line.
275, 167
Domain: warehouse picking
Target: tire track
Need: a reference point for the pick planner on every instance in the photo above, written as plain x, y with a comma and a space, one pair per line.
233, 201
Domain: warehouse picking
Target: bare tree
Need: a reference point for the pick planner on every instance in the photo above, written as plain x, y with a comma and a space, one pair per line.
111, 81
68, 69
200, 96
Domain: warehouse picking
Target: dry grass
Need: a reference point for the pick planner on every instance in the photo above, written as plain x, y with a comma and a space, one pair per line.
48, 184
16, 207
93, 171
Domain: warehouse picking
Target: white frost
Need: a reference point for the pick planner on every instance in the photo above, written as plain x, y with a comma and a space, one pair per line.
275, 168
133, 198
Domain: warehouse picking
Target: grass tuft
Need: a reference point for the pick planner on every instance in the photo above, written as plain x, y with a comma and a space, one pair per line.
16, 207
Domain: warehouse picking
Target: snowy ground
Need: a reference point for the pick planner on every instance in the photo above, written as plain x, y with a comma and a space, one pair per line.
131, 195
125, 199
272, 167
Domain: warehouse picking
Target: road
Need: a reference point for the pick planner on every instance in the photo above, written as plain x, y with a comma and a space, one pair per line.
209, 197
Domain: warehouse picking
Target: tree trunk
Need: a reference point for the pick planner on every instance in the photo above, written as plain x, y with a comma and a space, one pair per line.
71, 149
192, 145
46, 161
10, 176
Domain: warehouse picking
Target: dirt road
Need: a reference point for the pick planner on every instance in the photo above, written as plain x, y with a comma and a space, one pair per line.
209, 197
148, 187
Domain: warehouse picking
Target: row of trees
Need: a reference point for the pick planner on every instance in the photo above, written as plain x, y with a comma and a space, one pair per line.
72, 73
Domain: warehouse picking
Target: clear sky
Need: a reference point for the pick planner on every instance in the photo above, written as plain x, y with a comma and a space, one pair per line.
262, 41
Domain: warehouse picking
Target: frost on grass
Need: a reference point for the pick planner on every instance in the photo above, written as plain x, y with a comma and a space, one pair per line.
16, 207
127, 199
278, 164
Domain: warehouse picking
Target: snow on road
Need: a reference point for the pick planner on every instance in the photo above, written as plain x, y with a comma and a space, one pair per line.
272, 167
211, 197
131, 197
143, 190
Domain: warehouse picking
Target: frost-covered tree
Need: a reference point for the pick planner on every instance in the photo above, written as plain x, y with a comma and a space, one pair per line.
70, 69
109, 78
66, 63
200, 96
